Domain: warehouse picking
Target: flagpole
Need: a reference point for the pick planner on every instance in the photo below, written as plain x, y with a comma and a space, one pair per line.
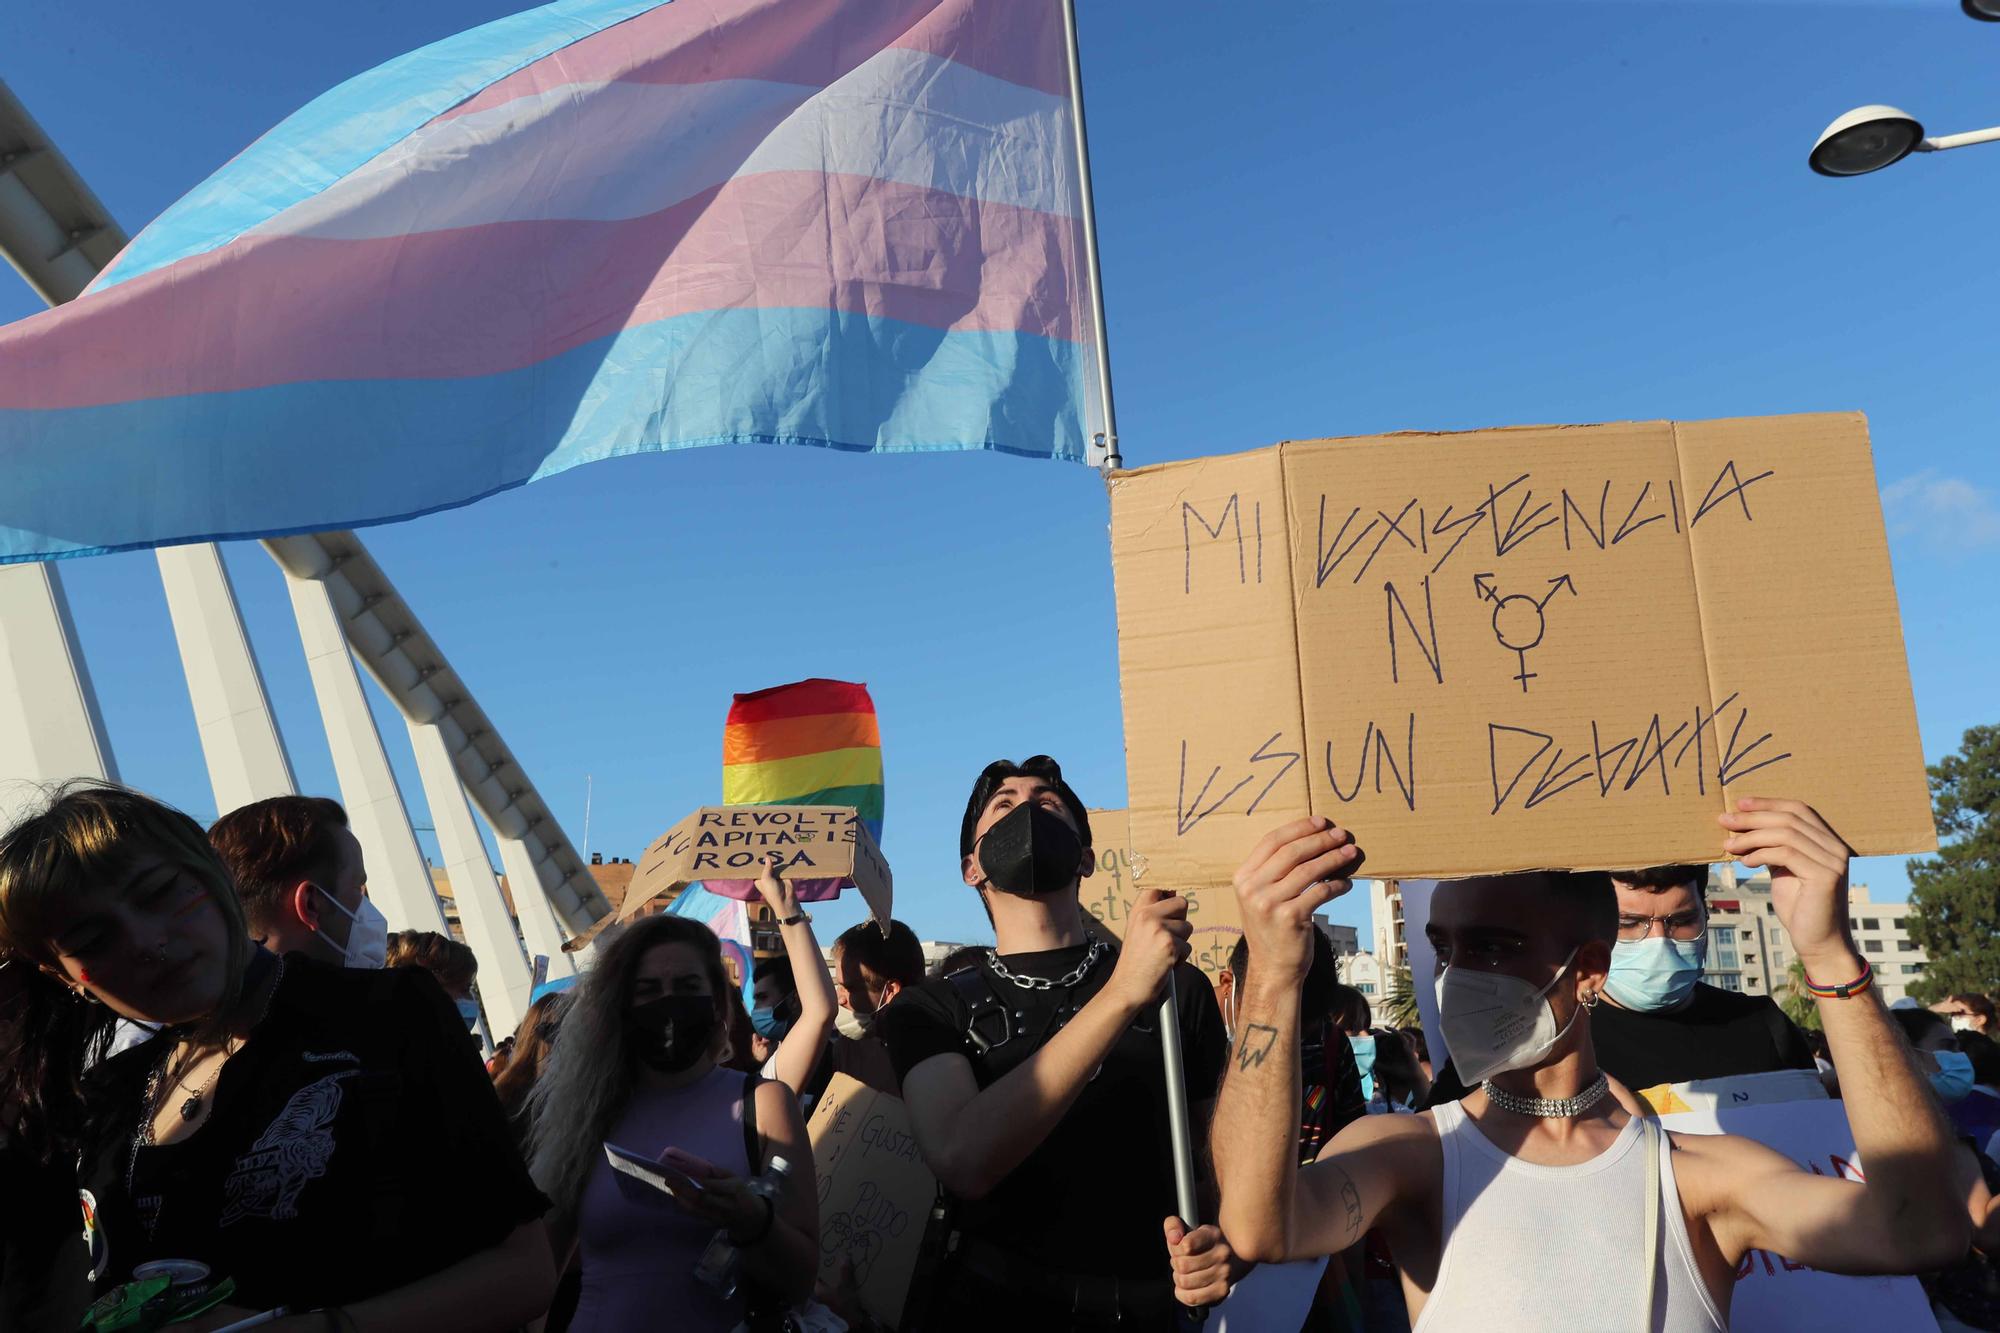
1105, 444
1108, 462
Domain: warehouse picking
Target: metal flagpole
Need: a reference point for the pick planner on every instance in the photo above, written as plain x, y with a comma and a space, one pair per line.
1108, 462
1106, 442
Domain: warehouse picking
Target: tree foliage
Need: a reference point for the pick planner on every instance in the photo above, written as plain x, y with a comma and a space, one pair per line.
1955, 895
1399, 1004
1799, 1006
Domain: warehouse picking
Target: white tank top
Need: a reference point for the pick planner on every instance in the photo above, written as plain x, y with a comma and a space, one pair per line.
1559, 1247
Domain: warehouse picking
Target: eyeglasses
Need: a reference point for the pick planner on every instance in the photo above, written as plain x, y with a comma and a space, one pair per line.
1682, 926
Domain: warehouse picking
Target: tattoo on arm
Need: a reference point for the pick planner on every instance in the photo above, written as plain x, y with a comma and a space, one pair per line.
1350, 1199
1254, 1045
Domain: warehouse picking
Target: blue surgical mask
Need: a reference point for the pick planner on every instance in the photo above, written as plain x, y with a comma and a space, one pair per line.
1364, 1060
1953, 1080
469, 1011
767, 1023
1656, 973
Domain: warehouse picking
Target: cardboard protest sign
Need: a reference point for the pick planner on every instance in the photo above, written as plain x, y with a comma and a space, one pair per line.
875, 1193
1107, 895
1511, 649
826, 848
1773, 1293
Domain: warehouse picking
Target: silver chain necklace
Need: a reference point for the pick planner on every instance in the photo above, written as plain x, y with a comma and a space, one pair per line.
191, 1107
1070, 978
1548, 1108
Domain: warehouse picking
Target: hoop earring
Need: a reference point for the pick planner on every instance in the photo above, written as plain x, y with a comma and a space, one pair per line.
1589, 999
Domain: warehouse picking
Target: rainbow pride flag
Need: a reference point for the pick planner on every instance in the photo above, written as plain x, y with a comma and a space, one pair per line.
590, 229
814, 742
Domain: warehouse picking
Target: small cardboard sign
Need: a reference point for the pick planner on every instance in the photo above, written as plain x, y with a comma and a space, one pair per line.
826, 848
1107, 895
1551, 646
875, 1193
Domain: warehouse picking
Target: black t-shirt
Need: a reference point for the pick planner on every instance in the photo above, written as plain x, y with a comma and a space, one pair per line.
1091, 1198
354, 1145
44, 1264
1716, 1034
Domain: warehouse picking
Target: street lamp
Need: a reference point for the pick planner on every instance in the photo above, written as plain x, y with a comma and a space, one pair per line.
1870, 138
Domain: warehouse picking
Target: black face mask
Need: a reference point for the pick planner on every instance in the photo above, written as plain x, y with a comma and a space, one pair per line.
671, 1033
1030, 852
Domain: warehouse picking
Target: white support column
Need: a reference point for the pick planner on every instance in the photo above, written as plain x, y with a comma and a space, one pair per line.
503, 968
239, 736
531, 904
399, 879
49, 725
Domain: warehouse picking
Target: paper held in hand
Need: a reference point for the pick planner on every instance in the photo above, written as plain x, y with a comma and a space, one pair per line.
1509, 649
826, 848
1107, 894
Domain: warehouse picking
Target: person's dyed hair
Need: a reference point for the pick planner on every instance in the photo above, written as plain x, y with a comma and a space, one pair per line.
997, 773
452, 963
592, 1069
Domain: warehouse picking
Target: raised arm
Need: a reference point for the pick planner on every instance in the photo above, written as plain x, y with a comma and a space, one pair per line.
1907, 1216
1266, 1213
971, 1138
793, 1063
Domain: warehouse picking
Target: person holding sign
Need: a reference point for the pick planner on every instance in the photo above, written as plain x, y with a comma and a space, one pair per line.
1587, 1215
1033, 1081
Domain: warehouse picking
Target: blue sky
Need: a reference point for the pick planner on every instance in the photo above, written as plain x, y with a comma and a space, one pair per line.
1317, 219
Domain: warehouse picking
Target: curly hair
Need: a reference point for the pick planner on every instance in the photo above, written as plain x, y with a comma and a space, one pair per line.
591, 1069
453, 964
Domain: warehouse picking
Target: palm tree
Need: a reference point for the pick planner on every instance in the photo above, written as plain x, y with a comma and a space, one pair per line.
1797, 1004
1399, 1005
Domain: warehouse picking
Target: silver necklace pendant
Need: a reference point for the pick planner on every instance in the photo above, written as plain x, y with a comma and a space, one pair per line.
1548, 1108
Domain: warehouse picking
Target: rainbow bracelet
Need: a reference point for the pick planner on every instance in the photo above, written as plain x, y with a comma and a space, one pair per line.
1845, 989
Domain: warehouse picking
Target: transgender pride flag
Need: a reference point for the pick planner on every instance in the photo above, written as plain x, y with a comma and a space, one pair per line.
591, 229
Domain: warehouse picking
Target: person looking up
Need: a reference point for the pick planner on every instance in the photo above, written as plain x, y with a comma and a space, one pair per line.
637, 1065
870, 970
293, 1123
453, 963
304, 885
1660, 1022
1587, 1215
1034, 1080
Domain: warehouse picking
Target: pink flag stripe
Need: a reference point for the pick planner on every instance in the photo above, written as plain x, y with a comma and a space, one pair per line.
486, 299
903, 116
798, 41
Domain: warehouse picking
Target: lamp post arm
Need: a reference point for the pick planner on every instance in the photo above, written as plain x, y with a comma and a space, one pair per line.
1939, 142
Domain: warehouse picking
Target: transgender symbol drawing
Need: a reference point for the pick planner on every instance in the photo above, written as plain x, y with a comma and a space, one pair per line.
1520, 621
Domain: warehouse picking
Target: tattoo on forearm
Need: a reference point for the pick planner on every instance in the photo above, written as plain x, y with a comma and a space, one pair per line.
1254, 1045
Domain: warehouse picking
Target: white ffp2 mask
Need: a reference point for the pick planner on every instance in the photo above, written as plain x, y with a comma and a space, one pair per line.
1493, 1022
367, 933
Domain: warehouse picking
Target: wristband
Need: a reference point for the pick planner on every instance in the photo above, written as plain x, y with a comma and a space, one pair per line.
770, 1217
1819, 990
796, 919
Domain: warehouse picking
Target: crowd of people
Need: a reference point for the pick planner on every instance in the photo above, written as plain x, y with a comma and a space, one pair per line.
228, 1094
